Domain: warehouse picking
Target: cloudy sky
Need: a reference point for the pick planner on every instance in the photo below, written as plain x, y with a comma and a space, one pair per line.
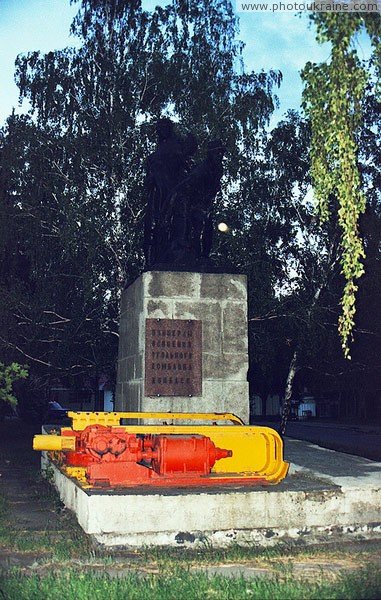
273, 41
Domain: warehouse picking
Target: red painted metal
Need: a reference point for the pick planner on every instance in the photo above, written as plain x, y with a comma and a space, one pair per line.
185, 454
113, 457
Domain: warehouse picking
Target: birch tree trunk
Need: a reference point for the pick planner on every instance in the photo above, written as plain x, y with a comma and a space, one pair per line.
288, 392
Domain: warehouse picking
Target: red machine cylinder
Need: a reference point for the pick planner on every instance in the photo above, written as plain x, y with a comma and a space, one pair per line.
113, 456
185, 454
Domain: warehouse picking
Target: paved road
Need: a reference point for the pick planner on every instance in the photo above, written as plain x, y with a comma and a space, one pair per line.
360, 440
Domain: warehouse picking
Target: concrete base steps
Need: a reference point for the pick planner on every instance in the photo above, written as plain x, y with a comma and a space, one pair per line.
326, 495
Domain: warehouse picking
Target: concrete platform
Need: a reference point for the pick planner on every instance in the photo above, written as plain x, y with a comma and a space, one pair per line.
327, 495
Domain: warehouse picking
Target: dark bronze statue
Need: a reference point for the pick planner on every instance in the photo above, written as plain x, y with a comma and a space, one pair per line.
166, 168
204, 183
178, 224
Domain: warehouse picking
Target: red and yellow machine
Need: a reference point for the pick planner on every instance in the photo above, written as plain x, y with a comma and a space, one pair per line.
100, 452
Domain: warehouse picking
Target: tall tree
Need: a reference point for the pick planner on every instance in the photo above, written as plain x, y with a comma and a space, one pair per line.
333, 99
292, 261
74, 169
55, 310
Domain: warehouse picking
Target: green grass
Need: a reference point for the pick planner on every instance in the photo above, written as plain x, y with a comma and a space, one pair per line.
61, 545
180, 584
280, 554
68, 547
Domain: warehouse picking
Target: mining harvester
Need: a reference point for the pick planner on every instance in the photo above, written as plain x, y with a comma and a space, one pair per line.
101, 450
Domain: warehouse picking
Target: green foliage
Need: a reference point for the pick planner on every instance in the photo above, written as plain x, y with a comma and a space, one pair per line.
69, 584
290, 258
9, 374
72, 193
333, 99
72, 188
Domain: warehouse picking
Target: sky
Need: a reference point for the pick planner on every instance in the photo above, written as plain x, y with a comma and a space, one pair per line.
280, 41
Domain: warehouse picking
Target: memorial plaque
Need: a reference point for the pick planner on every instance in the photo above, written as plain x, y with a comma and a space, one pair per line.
173, 359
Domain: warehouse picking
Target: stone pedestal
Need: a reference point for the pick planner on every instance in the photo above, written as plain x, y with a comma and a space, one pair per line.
328, 497
219, 301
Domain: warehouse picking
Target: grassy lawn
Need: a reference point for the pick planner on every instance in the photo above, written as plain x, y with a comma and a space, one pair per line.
65, 565
59, 561
181, 583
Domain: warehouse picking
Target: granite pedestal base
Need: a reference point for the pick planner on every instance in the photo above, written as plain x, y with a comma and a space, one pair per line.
327, 496
219, 301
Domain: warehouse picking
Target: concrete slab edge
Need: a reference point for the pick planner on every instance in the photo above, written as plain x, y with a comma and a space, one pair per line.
255, 537
220, 519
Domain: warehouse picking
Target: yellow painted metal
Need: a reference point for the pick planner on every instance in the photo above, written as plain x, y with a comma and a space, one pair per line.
53, 442
78, 473
257, 451
80, 420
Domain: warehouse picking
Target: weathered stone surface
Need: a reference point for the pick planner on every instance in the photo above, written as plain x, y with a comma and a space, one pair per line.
234, 396
210, 315
133, 301
131, 368
230, 366
120, 396
170, 284
132, 400
234, 328
212, 390
159, 309
123, 370
219, 301
232, 287
128, 335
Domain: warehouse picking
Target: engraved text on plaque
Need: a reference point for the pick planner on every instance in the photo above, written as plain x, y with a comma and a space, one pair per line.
173, 359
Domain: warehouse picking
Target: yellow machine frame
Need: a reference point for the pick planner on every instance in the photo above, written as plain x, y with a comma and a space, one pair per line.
257, 451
